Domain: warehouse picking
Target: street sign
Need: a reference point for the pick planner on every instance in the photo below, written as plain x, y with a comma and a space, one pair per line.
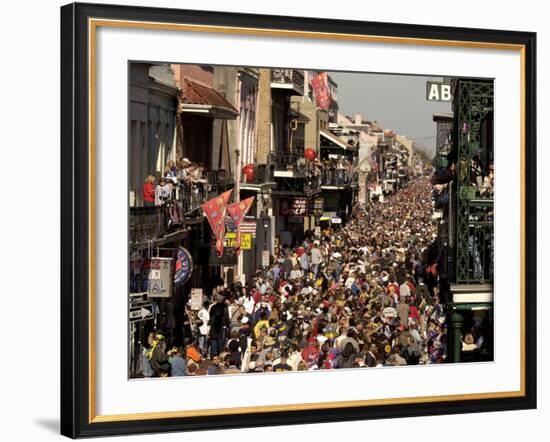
438, 91
196, 299
138, 299
141, 313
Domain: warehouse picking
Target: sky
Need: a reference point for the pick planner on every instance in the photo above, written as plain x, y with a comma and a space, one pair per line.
396, 102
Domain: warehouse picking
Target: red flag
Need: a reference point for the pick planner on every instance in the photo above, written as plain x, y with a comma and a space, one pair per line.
237, 212
214, 210
321, 90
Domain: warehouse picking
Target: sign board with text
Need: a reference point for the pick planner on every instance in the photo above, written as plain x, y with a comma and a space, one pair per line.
231, 240
293, 206
196, 299
160, 278
438, 91
141, 313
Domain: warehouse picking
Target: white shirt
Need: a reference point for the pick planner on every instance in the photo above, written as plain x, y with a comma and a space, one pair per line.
404, 290
294, 360
248, 304
204, 316
316, 256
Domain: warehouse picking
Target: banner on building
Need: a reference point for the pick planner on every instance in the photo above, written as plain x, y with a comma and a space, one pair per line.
237, 212
319, 83
293, 206
214, 210
159, 281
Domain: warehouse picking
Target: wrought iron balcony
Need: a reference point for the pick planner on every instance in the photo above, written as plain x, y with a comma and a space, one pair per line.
475, 241
293, 173
474, 212
291, 80
288, 164
339, 178
147, 224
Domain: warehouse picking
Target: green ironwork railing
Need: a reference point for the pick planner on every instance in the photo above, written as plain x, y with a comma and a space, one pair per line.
474, 101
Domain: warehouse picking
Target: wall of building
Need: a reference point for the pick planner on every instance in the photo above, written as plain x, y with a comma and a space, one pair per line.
264, 116
200, 74
152, 125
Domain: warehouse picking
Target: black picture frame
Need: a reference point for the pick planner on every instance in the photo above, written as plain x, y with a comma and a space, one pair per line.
75, 220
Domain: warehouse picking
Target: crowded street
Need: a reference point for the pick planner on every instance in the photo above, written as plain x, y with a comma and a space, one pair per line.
275, 227
358, 296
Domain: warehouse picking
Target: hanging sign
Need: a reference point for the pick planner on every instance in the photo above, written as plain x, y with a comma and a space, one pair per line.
196, 299
183, 267
160, 278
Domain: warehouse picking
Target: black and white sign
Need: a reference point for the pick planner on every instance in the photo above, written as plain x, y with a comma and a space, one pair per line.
141, 313
438, 91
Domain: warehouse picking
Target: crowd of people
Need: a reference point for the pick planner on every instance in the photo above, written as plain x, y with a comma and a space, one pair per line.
362, 295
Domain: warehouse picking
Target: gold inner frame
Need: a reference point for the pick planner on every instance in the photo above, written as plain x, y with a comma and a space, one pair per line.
93, 24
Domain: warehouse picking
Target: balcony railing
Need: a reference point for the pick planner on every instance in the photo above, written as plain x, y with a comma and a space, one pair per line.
290, 79
475, 253
339, 178
306, 177
288, 164
147, 224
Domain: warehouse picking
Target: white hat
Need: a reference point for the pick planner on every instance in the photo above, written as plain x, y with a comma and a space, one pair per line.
244, 320
186, 160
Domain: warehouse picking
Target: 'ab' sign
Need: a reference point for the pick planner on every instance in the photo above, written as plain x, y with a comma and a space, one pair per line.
437, 91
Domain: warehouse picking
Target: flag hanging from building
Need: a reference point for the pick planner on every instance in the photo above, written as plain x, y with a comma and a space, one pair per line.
214, 210
372, 162
319, 83
237, 212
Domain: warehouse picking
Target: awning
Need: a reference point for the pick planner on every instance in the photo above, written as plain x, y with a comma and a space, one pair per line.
198, 99
333, 139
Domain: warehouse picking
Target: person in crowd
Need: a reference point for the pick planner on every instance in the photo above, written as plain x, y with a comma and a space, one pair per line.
149, 191
219, 322
147, 369
203, 327
159, 358
178, 365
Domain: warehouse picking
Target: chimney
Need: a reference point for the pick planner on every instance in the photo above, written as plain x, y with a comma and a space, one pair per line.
358, 119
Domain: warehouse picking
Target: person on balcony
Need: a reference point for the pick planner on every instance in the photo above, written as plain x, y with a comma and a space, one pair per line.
170, 170
149, 191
